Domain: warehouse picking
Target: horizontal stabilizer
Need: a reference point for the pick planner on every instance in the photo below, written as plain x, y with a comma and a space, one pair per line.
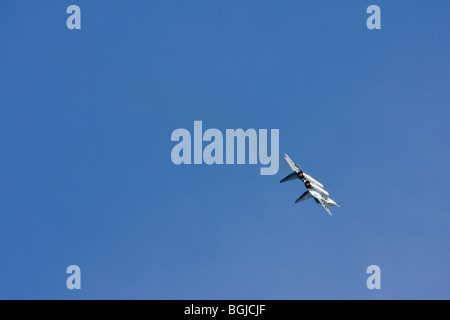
304, 196
290, 177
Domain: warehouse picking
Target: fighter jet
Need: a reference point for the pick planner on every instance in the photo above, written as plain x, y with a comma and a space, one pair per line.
314, 189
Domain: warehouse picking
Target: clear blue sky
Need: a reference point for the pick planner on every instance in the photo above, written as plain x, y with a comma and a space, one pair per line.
86, 176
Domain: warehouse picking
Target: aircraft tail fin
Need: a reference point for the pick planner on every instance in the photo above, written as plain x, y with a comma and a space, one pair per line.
295, 167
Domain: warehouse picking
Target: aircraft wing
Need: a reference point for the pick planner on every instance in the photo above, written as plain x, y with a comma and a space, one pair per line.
320, 200
294, 167
315, 194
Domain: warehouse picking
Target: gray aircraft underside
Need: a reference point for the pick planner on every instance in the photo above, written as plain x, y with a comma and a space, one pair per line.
314, 189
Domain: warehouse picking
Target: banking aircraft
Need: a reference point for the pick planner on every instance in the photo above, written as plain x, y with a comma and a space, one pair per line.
314, 189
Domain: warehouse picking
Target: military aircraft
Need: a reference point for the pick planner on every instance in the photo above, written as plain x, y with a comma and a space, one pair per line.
314, 189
